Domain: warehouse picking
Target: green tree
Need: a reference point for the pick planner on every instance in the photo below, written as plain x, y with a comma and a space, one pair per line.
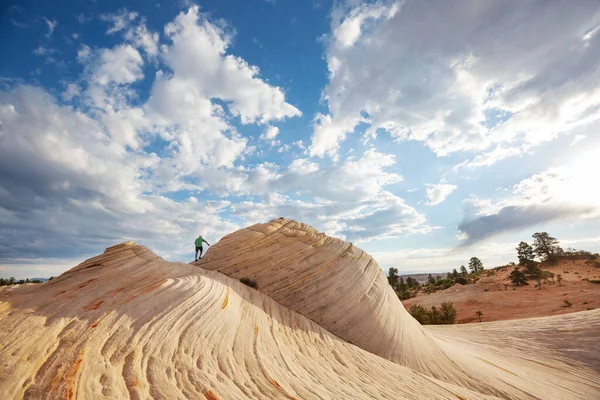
454, 273
559, 278
545, 246
447, 313
402, 287
430, 279
517, 277
475, 264
434, 315
419, 313
393, 278
463, 270
532, 270
525, 254
412, 282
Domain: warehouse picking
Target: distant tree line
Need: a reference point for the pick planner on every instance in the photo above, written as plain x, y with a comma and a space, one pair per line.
405, 289
13, 281
452, 278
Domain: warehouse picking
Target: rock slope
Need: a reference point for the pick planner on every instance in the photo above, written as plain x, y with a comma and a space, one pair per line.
323, 325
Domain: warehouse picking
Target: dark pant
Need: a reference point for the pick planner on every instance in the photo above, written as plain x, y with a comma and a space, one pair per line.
198, 249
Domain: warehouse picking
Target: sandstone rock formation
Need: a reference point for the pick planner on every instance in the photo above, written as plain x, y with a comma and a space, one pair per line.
323, 324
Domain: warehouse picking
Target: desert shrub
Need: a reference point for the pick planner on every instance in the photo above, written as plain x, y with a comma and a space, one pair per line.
447, 313
434, 316
594, 280
585, 302
249, 282
419, 313
568, 303
462, 280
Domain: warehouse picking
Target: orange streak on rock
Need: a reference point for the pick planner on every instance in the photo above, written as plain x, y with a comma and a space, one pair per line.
226, 301
210, 395
93, 306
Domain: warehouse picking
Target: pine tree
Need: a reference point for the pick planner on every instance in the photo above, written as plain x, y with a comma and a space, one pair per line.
447, 313
463, 270
475, 265
393, 278
545, 246
517, 277
525, 254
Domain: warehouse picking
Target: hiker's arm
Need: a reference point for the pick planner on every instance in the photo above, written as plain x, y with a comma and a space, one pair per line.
207, 243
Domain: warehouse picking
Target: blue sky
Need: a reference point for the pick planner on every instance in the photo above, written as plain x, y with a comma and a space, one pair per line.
423, 132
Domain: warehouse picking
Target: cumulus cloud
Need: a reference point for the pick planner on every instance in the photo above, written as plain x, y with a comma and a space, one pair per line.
195, 42
92, 183
134, 32
437, 193
83, 191
557, 193
349, 199
438, 72
122, 64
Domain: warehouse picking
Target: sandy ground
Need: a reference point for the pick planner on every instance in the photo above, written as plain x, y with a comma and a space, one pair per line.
497, 303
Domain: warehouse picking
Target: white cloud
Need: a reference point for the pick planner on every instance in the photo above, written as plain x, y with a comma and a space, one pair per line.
121, 64
93, 167
142, 38
72, 90
349, 199
486, 159
81, 179
270, 133
435, 73
577, 139
349, 30
136, 34
119, 21
52, 24
42, 51
197, 42
557, 193
437, 193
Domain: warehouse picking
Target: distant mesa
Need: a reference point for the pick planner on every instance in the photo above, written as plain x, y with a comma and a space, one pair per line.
323, 324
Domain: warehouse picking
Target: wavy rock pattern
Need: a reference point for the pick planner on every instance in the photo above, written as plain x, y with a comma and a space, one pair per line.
127, 324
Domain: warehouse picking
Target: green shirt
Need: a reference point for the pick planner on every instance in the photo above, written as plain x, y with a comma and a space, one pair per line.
199, 242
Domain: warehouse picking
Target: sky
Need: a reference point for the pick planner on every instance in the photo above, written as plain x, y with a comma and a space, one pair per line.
424, 132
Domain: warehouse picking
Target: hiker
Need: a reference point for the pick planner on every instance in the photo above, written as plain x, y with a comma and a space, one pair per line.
198, 242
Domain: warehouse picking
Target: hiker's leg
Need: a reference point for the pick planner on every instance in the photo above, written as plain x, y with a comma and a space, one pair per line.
196, 257
201, 252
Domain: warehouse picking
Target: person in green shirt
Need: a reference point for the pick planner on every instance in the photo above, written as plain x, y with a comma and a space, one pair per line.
198, 243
